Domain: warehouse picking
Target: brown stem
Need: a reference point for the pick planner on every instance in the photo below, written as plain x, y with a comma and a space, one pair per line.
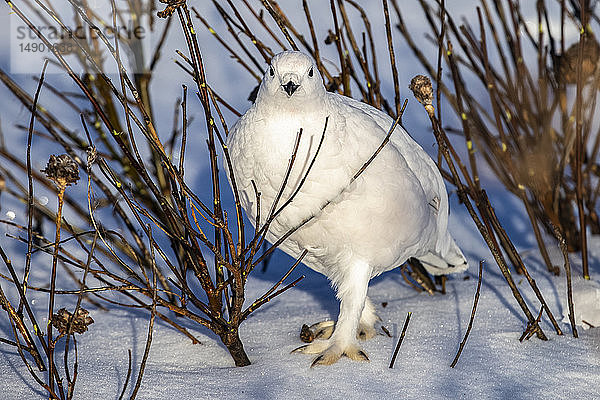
400, 340
483, 225
464, 341
564, 250
538, 237
58, 222
388, 33
579, 147
231, 340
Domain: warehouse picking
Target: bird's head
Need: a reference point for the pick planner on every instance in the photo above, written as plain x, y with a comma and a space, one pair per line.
291, 77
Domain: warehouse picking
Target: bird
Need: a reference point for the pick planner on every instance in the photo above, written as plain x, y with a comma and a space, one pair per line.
294, 158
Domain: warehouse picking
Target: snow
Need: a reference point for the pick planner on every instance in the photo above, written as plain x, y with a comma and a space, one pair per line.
494, 364
586, 300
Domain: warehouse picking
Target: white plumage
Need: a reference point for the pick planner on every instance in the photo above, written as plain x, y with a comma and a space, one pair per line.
396, 209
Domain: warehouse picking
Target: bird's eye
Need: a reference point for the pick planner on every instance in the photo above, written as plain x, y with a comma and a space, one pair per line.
311, 72
271, 72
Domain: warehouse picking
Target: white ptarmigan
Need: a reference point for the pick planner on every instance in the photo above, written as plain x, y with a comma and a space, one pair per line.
357, 229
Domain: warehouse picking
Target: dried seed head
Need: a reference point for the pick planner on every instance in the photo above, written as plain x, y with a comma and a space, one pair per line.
92, 155
306, 335
62, 170
171, 7
80, 322
568, 62
423, 91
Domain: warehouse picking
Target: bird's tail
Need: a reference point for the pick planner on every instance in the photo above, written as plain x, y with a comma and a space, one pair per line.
451, 262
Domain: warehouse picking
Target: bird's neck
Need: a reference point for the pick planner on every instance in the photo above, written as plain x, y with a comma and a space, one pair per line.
292, 107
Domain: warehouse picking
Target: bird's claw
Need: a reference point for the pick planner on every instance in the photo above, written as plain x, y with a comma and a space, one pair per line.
299, 349
330, 353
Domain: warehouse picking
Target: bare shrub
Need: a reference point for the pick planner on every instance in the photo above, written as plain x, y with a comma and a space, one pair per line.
538, 134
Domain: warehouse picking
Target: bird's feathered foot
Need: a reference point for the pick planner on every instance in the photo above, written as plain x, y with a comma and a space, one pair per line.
356, 314
324, 329
330, 352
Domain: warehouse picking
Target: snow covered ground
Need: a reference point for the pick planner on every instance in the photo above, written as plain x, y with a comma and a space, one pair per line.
494, 364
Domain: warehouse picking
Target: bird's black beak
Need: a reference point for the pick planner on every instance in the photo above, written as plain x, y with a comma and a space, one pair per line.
290, 88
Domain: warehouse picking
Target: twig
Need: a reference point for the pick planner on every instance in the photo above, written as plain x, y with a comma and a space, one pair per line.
138, 381
71, 383
18, 321
388, 33
530, 330
58, 223
397, 349
438, 77
464, 341
567, 264
382, 145
341, 54
269, 294
579, 146
587, 323
30, 195
280, 23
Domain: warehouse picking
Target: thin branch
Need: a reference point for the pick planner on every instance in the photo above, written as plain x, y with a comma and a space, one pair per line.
400, 340
475, 301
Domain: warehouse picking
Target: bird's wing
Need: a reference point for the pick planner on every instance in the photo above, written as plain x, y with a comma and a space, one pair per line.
418, 161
